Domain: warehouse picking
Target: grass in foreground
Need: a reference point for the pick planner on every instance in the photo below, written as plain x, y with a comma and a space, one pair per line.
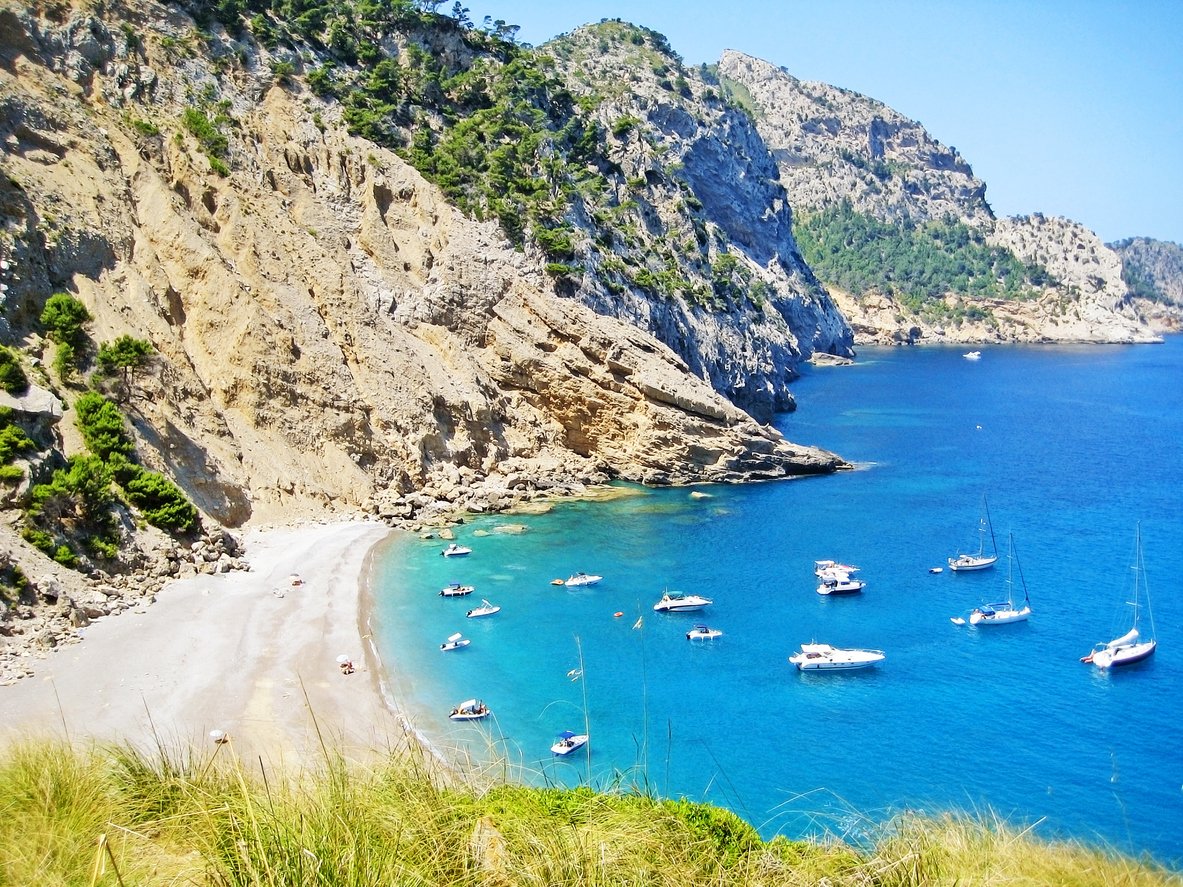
125, 817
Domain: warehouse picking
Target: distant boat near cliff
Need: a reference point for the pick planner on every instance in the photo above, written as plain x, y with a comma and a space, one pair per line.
972, 355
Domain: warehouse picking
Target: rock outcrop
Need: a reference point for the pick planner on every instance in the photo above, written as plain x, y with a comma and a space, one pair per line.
835, 146
698, 200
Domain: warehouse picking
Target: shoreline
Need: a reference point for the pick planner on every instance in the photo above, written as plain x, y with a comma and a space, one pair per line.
250, 653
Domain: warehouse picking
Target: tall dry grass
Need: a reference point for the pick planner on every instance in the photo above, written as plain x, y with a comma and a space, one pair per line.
122, 816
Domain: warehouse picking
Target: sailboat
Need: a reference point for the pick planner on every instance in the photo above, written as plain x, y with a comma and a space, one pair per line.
1132, 646
981, 560
1005, 611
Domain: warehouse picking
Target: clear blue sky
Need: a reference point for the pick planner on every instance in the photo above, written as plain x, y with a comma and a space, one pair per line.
1070, 109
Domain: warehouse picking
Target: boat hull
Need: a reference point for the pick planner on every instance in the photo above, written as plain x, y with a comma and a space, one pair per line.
968, 563
575, 743
1000, 617
823, 657
852, 586
1129, 655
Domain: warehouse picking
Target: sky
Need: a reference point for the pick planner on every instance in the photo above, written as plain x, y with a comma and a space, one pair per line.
1069, 109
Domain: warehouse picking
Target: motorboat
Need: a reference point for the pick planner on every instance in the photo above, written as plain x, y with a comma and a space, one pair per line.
823, 657
824, 568
1133, 646
972, 355
568, 742
582, 579
455, 589
680, 603
703, 633
454, 550
840, 583
982, 560
1008, 610
485, 609
470, 710
455, 642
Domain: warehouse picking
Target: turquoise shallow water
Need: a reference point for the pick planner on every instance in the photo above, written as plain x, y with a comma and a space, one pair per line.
1073, 446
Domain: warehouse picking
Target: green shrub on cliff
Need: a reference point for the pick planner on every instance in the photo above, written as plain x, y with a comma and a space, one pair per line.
918, 263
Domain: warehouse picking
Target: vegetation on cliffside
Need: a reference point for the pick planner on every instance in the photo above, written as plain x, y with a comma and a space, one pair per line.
916, 263
127, 817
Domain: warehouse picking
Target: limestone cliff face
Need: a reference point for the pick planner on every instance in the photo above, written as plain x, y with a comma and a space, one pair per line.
333, 335
699, 210
834, 145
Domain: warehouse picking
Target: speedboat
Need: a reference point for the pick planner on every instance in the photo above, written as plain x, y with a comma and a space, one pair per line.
485, 609
823, 657
972, 355
824, 568
455, 589
455, 642
703, 633
680, 603
454, 550
569, 742
470, 710
840, 583
582, 579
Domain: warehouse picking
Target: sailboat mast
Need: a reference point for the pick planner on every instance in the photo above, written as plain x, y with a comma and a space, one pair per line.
990, 524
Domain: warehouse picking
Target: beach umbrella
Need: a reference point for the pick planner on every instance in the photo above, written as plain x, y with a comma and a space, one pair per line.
218, 736
342, 659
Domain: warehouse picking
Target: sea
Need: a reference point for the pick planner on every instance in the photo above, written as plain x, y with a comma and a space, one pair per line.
1074, 450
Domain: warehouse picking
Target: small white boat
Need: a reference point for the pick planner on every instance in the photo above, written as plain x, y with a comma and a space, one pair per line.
454, 550
840, 583
823, 657
681, 603
470, 710
569, 742
455, 642
455, 589
703, 633
981, 560
1131, 647
1006, 611
972, 355
582, 579
485, 609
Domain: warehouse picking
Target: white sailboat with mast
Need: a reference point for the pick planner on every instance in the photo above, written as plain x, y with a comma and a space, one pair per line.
981, 560
1138, 643
1009, 610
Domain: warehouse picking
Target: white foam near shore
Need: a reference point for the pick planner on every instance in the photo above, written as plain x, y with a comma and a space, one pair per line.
253, 654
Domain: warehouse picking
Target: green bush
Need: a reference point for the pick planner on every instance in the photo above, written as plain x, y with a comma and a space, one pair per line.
161, 501
102, 426
14, 442
206, 132
12, 374
63, 317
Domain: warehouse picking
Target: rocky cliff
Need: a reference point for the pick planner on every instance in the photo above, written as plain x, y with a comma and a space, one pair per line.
837, 148
331, 334
1153, 270
698, 214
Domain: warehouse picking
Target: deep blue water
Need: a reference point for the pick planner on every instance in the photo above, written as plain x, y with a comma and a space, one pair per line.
1073, 447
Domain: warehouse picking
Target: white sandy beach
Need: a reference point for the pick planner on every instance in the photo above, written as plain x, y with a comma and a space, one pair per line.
250, 653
